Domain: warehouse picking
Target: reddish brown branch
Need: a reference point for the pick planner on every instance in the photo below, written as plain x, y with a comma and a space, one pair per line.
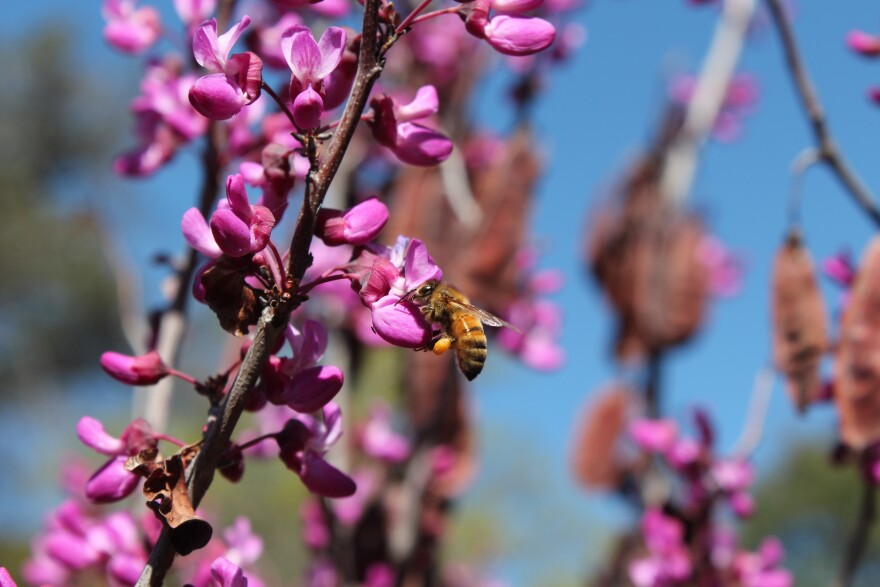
826, 146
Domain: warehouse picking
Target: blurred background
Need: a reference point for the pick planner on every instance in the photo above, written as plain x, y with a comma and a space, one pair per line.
70, 230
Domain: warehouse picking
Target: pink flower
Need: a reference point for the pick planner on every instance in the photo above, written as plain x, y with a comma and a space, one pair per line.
303, 443
268, 39
310, 63
165, 120
759, 569
739, 102
656, 436
667, 562
379, 440
139, 370
192, 12
357, 226
412, 143
241, 228
128, 29
225, 573
112, 481
724, 267
519, 35
863, 43
234, 82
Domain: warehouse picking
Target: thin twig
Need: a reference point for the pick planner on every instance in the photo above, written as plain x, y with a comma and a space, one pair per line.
858, 542
272, 321
709, 94
828, 150
762, 391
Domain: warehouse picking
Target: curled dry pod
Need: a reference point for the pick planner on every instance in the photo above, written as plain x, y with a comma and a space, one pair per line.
800, 321
596, 459
671, 282
857, 368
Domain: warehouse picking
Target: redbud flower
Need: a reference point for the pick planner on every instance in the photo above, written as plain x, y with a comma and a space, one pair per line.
227, 574
519, 35
667, 562
412, 143
357, 226
192, 12
113, 482
128, 29
656, 436
235, 81
267, 39
310, 62
241, 228
379, 440
303, 443
863, 43
139, 370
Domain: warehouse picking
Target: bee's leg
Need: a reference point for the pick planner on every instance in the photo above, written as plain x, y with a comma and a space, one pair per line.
437, 335
442, 344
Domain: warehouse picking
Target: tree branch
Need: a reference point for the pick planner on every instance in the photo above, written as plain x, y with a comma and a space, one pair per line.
828, 150
271, 325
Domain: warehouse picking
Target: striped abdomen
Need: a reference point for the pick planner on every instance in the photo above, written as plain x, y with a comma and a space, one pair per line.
470, 344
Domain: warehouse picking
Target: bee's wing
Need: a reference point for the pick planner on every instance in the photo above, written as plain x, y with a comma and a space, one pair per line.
484, 316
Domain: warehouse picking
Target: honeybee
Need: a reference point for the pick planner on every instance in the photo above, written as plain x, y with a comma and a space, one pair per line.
462, 323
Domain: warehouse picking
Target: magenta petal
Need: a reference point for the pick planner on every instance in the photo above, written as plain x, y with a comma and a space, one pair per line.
6, 578
198, 234
400, 324
215, 97
205, 48
262, 222
311, 389
332, 423
517, 35
125, 569
232, 234
71, 550
111, 482
308, 108
516, 6
419, 266
863, 43
134, 33
247, 70
654, 435
378, 283
423, 105
420, 145
302, 53
324, 479
365, 221
331, 45
227, 574
92, 434
193, 11
228, 39
145, 369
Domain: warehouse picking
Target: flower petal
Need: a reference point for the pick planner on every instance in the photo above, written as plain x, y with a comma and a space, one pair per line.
517, 35
401, 324
92, 434
331, 45
111, 482
198, 234
322, 478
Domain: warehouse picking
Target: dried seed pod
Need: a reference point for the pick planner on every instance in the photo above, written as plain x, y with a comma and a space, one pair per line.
800, 321
857, 368
596, 459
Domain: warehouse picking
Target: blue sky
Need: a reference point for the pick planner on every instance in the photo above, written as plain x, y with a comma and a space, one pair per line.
598, 111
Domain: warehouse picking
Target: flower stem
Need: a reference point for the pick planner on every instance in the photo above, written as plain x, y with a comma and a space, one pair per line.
268, 89
411, 17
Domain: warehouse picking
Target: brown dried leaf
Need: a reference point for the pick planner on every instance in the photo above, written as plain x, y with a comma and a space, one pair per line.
857, 368
227, 294
800, 322
596, 460
167, 495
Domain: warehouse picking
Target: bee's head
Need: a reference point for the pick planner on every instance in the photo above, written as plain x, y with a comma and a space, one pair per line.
420, 294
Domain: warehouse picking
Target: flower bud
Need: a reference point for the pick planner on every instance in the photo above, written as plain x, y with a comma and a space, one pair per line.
420, 145
111, 482
308, 108
358, 226
139, 370
863, 43
517, 35
324, 479
215, 98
